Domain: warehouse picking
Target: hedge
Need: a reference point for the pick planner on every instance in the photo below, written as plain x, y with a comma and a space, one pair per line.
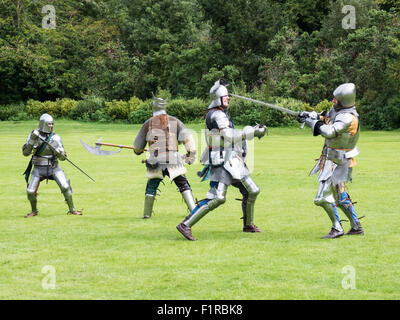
136, 111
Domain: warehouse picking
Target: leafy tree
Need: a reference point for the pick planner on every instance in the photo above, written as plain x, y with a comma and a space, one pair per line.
308, 15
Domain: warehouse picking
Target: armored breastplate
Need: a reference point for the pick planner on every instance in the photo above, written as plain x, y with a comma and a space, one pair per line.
46, 156
346, 140
213, 123
343, 145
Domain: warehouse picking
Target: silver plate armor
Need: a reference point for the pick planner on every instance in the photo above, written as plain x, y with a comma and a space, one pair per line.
341, 133
225, 154
226, 147
45, 164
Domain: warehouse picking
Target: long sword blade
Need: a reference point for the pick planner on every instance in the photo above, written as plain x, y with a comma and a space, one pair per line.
270, 105
80, 169
51, 147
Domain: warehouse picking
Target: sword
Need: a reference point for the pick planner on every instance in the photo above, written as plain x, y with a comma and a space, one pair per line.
270, 105
54, 149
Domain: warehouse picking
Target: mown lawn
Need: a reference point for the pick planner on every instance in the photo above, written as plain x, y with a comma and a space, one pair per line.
111, 253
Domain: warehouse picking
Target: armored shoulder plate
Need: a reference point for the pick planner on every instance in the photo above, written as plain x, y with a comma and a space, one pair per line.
218, 119
346, 118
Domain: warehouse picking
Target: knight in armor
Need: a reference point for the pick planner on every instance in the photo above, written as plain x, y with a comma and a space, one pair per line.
224, 163
340, 128
45, 163
163, 133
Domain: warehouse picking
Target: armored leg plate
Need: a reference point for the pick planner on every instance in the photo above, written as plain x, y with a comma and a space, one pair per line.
347, 207
148, 206
252, 193
325, 199
31, 192
189, 200
65, 187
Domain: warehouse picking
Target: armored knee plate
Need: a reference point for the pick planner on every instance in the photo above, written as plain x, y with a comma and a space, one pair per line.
325, 199
31, 192
65, 187
207, 205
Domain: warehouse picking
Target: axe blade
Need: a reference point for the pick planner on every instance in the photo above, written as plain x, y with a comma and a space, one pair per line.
96, 150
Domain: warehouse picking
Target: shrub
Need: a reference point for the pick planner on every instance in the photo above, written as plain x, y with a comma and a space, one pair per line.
177, 108
136, 111
142, 113
100, 116
117, 109
392, 112
65, 107
382, 113
134, 103
11, 111
163, 94
195, 110
59, 108
323, 105
35, 108
20, 116
306, 107
50, 107
85, 109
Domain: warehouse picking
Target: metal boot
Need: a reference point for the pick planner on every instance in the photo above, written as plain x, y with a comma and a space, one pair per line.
148, 206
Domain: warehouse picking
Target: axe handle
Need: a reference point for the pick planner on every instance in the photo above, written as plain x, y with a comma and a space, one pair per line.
116, 145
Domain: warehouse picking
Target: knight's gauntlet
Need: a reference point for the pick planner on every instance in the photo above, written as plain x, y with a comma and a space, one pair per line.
33, 138
27, 149
190, 157
260, 131
190, 147
61, 154
58, 149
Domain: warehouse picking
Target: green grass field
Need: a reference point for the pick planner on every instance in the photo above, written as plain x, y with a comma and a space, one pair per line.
111, 253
